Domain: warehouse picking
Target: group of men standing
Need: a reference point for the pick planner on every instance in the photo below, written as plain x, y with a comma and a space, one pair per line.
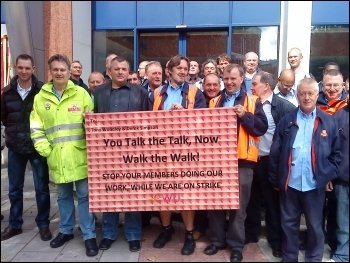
291, 152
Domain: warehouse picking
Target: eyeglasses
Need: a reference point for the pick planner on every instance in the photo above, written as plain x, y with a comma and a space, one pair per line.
335, 85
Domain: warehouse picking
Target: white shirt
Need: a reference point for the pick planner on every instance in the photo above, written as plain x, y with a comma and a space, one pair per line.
23, 92
291, 96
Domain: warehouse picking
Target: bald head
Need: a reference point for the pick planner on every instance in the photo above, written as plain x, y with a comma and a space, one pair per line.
287, 74
286, 81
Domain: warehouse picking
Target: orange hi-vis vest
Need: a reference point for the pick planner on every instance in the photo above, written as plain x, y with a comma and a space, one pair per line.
247, 145
333, 106
190, 100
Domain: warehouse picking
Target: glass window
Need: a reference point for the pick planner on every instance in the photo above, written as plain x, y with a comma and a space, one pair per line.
120, 42
158, 46
261, 40
203, 45
329, 43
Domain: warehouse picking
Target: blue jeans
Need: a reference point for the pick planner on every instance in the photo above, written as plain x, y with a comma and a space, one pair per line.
17, 164
341, 192
132, 225
66, 208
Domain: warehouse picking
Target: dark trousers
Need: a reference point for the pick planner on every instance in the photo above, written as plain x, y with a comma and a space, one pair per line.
201, 221
17, 164
310, 203
263, 195
330, 220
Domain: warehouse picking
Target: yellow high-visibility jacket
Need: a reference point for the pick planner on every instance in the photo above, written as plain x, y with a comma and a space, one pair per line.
57, 131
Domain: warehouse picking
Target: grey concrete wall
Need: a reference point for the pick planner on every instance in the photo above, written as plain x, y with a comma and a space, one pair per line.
25, 31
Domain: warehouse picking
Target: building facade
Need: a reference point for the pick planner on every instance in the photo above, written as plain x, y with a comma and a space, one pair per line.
152, 30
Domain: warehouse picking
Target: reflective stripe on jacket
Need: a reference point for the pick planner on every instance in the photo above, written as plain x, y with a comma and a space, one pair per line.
247, 145
57, 131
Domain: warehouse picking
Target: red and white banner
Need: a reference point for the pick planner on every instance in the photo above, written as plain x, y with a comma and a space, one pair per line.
162, 160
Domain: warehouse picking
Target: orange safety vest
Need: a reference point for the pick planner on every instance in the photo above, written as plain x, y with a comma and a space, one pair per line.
247, 145
190, 100
333, 106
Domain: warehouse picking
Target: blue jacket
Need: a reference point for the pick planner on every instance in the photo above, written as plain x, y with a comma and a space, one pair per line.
325, 152
342, 119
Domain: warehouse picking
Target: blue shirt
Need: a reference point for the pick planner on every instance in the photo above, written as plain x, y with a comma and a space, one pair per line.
301, 177
229, 100
174, 96
248, 84
57, 94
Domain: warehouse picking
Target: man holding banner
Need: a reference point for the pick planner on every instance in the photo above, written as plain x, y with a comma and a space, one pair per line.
251, 123
176, 95
120, 96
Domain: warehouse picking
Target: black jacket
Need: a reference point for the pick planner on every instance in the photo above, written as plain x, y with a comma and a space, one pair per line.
280, 107
15, 116
138, 99
81, 84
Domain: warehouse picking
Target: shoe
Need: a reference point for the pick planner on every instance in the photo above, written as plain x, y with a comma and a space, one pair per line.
189, 244
251, 240
134, 245
60, 240
164, 237
91, 247
213, 249
2, 216
277, 253
45, 234
10, 232
106, 243
236, 256
330, 260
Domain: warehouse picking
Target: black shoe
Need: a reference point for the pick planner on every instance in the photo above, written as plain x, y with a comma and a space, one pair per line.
236, 256
45, 234
134, 245
189, 244
277, 253
10, 232
212, 249
106, 243
251, 240
60, 240
91, 247
164, 237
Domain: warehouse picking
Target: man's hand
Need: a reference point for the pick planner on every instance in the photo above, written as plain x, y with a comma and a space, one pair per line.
176, 106
329, 187
239, 110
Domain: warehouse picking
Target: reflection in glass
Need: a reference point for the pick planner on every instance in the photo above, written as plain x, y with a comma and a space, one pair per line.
158, 46
329, 43
261, 40
203, 45
120, 42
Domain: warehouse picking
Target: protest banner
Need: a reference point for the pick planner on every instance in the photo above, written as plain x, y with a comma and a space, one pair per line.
162, 160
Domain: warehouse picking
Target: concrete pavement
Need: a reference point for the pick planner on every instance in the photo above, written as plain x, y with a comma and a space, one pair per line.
28, 247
